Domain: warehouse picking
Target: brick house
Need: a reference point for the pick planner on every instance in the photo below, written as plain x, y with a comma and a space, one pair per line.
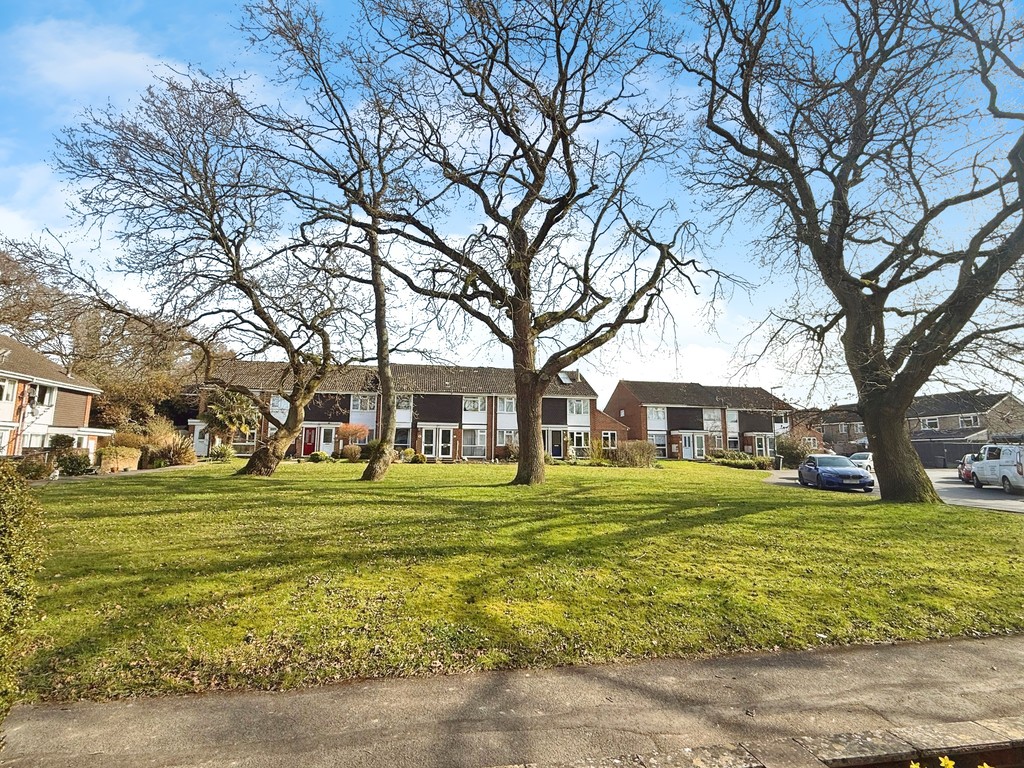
686, 420
942, 427
39, 400
447, 413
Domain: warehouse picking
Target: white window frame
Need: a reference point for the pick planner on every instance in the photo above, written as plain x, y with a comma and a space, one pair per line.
403, 402
408, 437
364, 403
660, 445
968, 420
578, 407
5, 438
7, 390
843, 428
474, 404
609, 440
712, 418
579, 439
733, 443
506, 404
810, 442
506, 436
657, 413
858, 427
479, 448
930, 423
327, 435
46, 395
364, 440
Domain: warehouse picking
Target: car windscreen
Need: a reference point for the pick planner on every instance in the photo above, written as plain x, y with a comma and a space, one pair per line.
834, 461
859, 456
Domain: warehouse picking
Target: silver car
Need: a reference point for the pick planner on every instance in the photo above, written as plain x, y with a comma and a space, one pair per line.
865, 460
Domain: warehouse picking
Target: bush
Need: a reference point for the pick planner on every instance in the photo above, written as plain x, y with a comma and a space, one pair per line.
597, 454
352, 452
180, 452
548, 458
369, 448
317, 456
792, 451
61, 444
418, 458
19, 559
408, 454
74, 463
128, 440
720, 453
33, 467
636, 453
115, 458
222, 452
512, 450
747, 463
764, 462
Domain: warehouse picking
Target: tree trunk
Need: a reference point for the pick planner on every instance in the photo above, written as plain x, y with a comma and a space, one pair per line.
901, 475
529, 397
380, 457
263, 462
265, 459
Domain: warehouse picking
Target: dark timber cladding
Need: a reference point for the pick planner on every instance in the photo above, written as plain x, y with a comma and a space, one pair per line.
442, 409
685, 419
755, 422
554, 410
329, 407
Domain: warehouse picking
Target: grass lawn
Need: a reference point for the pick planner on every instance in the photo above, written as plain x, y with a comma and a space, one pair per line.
196, 579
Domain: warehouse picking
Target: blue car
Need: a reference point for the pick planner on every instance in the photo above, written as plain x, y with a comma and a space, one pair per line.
827, 471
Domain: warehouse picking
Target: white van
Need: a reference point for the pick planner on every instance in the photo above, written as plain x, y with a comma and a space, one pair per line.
1000, 465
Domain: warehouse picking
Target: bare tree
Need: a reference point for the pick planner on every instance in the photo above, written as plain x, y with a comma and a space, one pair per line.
850, 135
195, 204
534, 126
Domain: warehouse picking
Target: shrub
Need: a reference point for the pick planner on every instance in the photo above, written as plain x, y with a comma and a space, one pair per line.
33, 467
61, 444
636, 453
418, 458
349, 433
512, 448
408, 454
74, 463
747, 463
764, 462
317, 456
19, 559
597, 454
369, 448
180, 452
115, 458
222, 452
792, 451
352, 452
128, 440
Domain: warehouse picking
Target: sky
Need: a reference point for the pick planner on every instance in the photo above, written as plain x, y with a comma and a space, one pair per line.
59, 57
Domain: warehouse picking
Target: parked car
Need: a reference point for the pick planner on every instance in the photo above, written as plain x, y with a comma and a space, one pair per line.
825, 471
864, 460
965, 467
999, 465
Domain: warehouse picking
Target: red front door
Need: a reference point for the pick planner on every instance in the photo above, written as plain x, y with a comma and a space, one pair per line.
308, 440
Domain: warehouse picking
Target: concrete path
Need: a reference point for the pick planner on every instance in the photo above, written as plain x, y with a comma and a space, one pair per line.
536, 716
950, 490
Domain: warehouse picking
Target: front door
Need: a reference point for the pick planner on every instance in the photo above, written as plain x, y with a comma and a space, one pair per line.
556, 444
698, 446
444, 443
430, 443
308, 440
687, 446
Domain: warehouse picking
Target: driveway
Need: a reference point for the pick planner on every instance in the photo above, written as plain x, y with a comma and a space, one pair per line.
950, 490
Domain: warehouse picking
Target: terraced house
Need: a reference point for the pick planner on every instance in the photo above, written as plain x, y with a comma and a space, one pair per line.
447, 413
686, 420
39, 400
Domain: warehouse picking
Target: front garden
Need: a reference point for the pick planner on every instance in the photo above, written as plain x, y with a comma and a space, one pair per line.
198, 579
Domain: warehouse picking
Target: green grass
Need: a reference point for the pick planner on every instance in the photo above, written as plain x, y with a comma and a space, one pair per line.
196, 579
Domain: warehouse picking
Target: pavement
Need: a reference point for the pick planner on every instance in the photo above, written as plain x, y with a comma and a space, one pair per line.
950, 490
666, 706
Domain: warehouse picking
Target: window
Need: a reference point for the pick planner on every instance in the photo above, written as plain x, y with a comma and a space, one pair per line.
34, 441
970, 420
732, 421
364, 402
656, 413
781, 419
508, 437
474, 443
843, 427
858, 427
734, 442
609, 440
474, 404
993, 453
712, 420
660, 442
363, 440
7, 388
579, 440
716, 440
402, 438
930, 423
403, 402
45, 396
4, 440
810, 442
506, 405
579, 407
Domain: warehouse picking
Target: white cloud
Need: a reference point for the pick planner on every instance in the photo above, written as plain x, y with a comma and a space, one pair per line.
31, 199
60, 60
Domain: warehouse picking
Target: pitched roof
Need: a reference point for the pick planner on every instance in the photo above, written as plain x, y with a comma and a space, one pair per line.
20, 361
417, 379
700, 395
946, 434
923, 406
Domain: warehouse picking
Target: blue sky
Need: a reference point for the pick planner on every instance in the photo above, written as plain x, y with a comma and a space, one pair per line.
59, 57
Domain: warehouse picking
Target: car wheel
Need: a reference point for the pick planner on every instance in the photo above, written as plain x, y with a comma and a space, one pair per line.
1008, 486
977, 482
820, 484
869, 489
800, 479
